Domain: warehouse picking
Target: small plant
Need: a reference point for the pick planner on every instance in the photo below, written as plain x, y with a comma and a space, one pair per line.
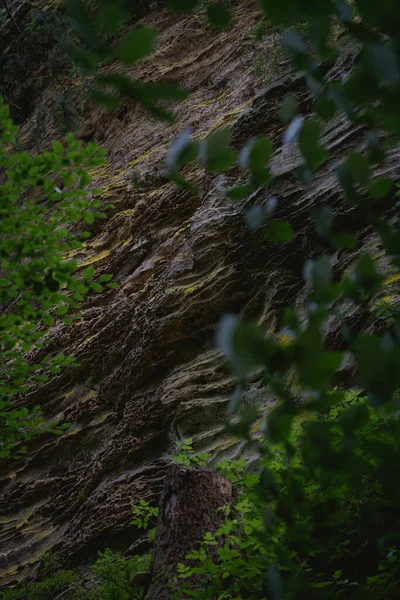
40, 197
112, 577
144, 514
186, 455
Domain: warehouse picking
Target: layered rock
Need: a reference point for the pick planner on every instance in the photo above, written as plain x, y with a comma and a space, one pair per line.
149, 372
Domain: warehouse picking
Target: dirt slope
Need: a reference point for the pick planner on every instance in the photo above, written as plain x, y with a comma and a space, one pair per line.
149, 374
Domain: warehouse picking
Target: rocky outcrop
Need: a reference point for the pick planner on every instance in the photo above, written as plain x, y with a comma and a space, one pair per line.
149, 372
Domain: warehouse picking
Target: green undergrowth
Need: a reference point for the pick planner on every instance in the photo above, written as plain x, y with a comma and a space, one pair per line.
111, 577
330, 529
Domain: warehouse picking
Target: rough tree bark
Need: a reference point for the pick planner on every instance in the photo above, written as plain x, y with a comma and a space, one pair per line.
188, 509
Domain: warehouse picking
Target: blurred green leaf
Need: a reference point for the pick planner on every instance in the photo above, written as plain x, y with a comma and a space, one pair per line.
288, 109
358, 166
381, 187
278, 231
182, 5
219, 15
344, 240
89, 272
110, 15
216, 153
309, 144
256, 155
136, 45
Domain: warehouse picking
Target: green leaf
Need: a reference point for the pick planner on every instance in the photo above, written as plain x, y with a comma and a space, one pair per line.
182, 5
136, 45
288, 109
313, 152
88, 217
344, 240
326, 107
165, 91
323, 219
58, 148
219, 16
279, 12
108, 100
278, 231
182, 183
256, 154
243, 343
82, 21
104, 278
293, 131
216, 153
358, 166
275, 583
378, 360
383, 62
110, 15
96, 287
294, 43
376, 154
318, 274
366, 275
239, 192
182, 151
381, 187
89, 272
61, 310
86, 58
320, 31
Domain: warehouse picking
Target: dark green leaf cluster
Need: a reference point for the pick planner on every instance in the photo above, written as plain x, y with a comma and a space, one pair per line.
41, 197
318, 517
111, 577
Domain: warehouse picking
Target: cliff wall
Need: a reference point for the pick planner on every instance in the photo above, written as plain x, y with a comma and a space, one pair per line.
149, 372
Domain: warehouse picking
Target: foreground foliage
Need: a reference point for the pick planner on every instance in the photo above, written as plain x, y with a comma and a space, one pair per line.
334, 531
40, 198
111, 577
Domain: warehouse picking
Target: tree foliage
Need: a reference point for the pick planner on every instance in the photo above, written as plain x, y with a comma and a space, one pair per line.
110, 577
41, 197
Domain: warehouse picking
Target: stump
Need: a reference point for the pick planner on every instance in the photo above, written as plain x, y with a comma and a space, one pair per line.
188, 510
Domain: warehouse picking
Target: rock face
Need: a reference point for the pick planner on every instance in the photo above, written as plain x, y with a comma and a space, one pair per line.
149, 373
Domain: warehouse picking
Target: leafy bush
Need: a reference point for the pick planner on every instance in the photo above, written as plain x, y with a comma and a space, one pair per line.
40, 198
332, 528
111, 577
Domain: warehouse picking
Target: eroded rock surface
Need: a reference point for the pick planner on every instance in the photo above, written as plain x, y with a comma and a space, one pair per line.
149, 373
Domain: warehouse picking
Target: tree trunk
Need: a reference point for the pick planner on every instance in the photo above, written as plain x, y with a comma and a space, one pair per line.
188, 510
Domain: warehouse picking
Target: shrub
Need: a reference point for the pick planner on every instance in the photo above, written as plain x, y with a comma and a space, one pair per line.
111, 577
40, 198
335, 528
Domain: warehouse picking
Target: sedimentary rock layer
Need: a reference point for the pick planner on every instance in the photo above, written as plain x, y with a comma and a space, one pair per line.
149, 372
